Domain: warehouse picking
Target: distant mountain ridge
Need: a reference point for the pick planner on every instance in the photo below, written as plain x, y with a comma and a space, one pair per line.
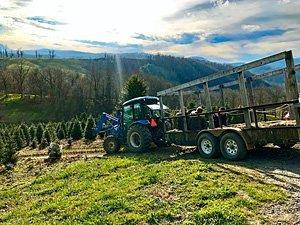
175, 70
69, 54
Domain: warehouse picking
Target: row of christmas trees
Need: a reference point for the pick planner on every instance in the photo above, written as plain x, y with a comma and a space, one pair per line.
15, 137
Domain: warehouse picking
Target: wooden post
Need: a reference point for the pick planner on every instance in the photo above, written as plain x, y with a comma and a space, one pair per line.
182, 110
222, 95
250, 91
199, 98
249, 87
244, 98
291, 86
208, 105
162, 113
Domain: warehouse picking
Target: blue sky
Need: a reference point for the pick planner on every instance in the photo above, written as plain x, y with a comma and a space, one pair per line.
221, 30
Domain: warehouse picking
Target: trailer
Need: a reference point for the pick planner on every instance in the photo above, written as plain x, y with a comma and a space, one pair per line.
233, 142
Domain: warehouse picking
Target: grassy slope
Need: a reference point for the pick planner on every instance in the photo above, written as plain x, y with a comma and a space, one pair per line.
16, 110
131, 189
76, 65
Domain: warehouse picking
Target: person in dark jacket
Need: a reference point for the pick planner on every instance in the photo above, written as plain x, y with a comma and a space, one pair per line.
197, 121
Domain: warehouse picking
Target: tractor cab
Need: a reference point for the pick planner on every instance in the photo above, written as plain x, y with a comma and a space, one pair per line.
143, 110
138, 127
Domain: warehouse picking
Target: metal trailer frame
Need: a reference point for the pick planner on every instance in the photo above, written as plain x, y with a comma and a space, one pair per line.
252, 135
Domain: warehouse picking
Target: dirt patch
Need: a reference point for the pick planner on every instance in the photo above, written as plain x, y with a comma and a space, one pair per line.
165, 194
279, 167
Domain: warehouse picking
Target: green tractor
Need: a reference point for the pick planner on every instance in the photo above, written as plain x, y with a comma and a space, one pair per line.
137, 126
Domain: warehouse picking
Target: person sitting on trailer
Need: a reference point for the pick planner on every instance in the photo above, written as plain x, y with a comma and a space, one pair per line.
197, 121
220, 119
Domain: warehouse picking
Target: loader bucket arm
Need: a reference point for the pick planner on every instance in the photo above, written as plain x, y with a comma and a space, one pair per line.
107, 122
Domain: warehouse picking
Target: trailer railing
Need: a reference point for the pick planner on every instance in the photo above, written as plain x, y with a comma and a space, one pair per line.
245, 88
239, 111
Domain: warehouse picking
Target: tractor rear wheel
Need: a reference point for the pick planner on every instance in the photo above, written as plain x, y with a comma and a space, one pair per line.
139, 138
111, 144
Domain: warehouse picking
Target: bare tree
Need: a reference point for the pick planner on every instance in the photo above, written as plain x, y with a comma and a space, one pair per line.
51, 54
19, 73
36, 84
4, 80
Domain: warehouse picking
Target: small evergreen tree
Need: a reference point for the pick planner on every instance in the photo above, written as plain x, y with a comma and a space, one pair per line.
26, 133
39, 133
33, 144
58, 126
8, 153
22, 136
47, 136
44, 143
89, 133
18, 139
83, 124
70, 128
32, 132
134, 87
61, 134
83, 117
54, 152
76, 133
5, 135
64, 128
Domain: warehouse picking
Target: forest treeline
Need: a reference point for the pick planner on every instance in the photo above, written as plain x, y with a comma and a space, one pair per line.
92, 86
69, 91
72, 86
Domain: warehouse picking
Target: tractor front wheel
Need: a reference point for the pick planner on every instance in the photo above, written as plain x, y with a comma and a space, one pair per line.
139, 138
111, 144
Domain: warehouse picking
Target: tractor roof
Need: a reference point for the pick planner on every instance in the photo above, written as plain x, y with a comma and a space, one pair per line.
143, 99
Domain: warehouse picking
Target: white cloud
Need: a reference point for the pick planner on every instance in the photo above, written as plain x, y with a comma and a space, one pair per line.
284, 1
119, 21
250, 27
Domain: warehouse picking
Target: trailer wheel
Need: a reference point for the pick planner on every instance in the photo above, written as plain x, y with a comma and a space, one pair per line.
111, 144
139, 138
233, 146
208, 146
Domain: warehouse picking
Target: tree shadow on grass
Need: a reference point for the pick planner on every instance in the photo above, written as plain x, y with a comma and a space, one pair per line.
268, 164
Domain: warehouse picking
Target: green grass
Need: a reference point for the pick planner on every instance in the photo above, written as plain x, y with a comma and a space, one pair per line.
16, 110
149, 188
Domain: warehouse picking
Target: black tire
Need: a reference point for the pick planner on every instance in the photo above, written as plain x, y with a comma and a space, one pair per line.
233, 146
286, 145
208, 146
139, 138
111, 144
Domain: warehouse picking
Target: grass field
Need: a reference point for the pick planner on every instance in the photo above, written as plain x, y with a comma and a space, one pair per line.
149, 188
